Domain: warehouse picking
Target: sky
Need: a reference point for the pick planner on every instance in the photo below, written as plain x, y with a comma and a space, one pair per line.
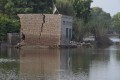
109, 6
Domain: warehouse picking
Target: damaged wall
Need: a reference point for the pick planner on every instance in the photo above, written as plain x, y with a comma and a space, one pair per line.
42, 29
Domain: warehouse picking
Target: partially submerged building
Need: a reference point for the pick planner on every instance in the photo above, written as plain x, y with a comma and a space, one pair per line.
46, 29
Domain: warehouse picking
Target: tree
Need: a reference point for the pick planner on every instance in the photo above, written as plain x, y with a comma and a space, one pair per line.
2, 4
82, 14
65, 7
33, 6
9, 21
99, 22
116, 22
8, 25
78, 29
82, 8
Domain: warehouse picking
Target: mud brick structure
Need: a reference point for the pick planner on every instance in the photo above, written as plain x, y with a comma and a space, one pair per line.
46, 29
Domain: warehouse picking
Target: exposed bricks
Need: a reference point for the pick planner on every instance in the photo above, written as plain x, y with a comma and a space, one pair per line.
51, 34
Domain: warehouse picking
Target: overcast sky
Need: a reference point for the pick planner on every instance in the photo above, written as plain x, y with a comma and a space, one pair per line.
109, 6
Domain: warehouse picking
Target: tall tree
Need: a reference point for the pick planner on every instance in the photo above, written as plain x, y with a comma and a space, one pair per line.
82, 8
2, 4
34, 6
82, 14
116, 22
98, 23
65, 7
78, 29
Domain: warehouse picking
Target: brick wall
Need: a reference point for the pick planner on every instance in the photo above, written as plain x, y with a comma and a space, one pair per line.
53, 30
31, 25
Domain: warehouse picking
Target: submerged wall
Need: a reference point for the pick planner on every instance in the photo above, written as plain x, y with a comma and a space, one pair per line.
46, 29
42, 29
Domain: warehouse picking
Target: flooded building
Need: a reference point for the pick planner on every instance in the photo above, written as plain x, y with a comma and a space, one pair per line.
46, 29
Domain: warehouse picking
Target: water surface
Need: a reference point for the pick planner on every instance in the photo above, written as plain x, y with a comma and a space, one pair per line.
60, 64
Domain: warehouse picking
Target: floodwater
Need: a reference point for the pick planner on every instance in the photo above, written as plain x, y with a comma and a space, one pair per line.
60, 64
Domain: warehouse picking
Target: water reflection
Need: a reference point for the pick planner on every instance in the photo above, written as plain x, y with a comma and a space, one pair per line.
60, 64
109, 71
39, 64
64, 64
9, 63
44, 64
84, 59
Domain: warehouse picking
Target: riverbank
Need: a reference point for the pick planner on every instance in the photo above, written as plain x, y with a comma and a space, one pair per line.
73, 44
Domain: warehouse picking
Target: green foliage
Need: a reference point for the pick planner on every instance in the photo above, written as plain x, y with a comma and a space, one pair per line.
99, 20
65, 7
82, 14
82, 8
9, 7
78, 8
78, 29
2, 4
8, 25
33, 6
116, 22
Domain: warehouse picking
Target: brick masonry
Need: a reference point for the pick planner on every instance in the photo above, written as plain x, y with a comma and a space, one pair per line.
51, 33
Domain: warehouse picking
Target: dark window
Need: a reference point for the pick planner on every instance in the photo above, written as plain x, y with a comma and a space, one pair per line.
67, 32
70, 34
